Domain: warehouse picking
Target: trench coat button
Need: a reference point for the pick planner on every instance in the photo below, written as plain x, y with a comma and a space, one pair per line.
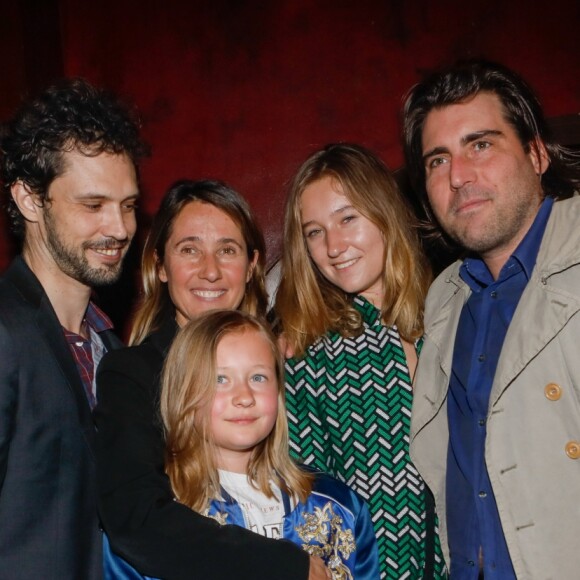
573, 449
553, 391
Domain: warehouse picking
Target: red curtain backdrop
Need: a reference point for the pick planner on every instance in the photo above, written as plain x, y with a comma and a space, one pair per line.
245, 90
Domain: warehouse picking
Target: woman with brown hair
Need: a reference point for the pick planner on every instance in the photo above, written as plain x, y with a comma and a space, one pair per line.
204, 252
350, 306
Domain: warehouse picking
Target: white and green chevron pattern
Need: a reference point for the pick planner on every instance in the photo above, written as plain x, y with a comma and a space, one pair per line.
349, 409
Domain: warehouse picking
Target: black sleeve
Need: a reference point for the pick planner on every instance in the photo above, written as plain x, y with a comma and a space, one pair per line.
157, 535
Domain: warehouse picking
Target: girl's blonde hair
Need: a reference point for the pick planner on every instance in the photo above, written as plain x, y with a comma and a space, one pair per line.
307, 304
155, 304
188, 387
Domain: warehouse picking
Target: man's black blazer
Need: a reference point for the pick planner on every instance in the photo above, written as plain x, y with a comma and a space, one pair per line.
48, 514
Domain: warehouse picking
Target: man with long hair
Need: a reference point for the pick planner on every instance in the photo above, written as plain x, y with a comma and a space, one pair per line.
496, 420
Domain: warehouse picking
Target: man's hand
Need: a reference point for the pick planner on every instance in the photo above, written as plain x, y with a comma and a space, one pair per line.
318, 571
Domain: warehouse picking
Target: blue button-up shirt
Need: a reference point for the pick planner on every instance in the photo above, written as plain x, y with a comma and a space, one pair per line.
472, 516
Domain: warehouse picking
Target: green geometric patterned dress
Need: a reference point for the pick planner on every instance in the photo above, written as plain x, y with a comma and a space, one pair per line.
349, 410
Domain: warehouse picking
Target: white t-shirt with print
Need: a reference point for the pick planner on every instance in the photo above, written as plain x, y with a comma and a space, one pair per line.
262, 514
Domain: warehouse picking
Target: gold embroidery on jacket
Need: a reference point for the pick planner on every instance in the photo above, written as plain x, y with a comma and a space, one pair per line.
219, 517
325, 527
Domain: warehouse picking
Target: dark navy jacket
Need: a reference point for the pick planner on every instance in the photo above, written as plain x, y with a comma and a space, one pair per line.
48, 508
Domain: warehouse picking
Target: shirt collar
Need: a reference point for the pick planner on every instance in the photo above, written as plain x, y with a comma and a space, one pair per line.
97, 319
477, 275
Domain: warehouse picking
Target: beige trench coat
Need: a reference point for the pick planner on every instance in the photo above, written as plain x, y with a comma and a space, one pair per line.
533, 425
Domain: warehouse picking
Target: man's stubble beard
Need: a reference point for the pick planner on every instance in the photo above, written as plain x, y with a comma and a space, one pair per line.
504, 224
74, 263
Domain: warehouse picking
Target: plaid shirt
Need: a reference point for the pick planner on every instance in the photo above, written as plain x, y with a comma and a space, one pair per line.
87, 353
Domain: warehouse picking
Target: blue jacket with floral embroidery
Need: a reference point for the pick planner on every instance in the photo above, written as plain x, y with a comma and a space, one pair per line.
334, 523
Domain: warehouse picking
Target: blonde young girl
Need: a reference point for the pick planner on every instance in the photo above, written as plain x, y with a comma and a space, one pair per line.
222, 404
227, 439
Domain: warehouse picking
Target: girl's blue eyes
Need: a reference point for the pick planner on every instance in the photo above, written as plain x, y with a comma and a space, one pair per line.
257, 378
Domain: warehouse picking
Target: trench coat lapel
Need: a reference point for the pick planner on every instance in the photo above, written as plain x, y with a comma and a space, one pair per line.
441, 325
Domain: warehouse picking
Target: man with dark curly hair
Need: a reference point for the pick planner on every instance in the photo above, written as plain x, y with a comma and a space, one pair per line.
68, 170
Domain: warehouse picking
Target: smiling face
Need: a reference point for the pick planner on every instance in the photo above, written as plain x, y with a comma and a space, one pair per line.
206, 264
483, 186
245, 407
347, 248
88, 221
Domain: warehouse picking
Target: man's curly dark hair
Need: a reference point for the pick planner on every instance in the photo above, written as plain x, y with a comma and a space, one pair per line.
70, 115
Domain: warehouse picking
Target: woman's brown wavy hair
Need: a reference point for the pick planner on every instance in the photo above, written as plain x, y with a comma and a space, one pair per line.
307, 304
155, 304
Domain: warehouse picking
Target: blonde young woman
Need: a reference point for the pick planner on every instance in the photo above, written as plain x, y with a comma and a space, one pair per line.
204, 252
350, 305
227, 457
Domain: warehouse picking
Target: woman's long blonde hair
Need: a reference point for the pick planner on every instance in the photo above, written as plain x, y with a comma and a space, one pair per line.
188, 387
155, 304
307, 304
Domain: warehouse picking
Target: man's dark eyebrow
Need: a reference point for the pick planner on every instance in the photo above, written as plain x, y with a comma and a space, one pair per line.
469, 138
435, 151
89, 195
